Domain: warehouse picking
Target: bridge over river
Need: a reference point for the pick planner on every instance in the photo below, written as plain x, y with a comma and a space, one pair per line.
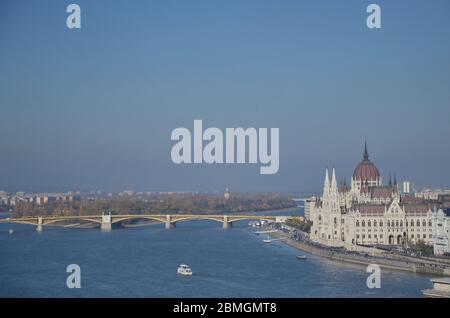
106, 220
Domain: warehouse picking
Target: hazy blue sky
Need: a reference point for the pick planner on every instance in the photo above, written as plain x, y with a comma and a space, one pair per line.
94, 108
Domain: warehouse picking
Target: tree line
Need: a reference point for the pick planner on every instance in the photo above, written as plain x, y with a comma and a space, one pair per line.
158, 204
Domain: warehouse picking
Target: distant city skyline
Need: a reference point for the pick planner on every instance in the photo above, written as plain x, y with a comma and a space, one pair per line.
386, 179
94, 108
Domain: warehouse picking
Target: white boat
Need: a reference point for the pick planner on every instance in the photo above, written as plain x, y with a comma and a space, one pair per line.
254, 224
268, 240
183, 269
301, 256
273, 240
264, 232
441, 288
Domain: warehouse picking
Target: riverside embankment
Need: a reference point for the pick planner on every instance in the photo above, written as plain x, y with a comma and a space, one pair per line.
387, 260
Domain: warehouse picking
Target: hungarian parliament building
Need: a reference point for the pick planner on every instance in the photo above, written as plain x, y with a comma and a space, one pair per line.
366, 212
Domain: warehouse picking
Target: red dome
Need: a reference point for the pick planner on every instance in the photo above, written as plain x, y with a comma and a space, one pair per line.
366, 170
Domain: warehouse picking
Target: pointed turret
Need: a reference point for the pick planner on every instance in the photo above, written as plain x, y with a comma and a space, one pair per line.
333, 181
326, 183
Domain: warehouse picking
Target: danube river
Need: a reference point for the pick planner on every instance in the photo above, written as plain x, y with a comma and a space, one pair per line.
142, 262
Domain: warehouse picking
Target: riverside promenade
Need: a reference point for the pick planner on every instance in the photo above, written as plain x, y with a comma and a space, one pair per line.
299, 240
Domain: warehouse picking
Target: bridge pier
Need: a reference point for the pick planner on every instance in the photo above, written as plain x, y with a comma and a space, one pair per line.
39, 227
106, 222
225, 223
169, 223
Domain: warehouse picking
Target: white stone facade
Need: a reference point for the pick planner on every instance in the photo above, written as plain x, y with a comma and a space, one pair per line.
441, 232
309, 205
368, 213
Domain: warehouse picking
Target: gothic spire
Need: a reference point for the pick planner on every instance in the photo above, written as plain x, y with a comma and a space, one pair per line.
333, 181
366, 153
326, 183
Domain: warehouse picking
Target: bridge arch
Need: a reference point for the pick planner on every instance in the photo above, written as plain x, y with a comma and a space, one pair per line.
197, 217
88, 219
125, 218
26, 222
231, 219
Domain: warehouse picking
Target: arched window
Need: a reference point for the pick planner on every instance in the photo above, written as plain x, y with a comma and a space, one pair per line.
375, 223
389, 223
429, 223
381, 223
418, 223
412, 223
357, 223
396, 223
401, 223
363, 223
424, 223
369, 224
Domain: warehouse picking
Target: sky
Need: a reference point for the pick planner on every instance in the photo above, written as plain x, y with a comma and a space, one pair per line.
94, 108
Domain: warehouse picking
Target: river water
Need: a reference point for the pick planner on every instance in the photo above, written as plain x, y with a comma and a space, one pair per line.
142, 262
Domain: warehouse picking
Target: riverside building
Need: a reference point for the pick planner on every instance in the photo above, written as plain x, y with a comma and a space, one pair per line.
367, 212
441, 231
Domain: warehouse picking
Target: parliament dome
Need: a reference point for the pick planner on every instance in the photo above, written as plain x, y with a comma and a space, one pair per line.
366, 170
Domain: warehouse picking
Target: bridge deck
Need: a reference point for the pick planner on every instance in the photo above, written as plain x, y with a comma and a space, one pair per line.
157, 217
